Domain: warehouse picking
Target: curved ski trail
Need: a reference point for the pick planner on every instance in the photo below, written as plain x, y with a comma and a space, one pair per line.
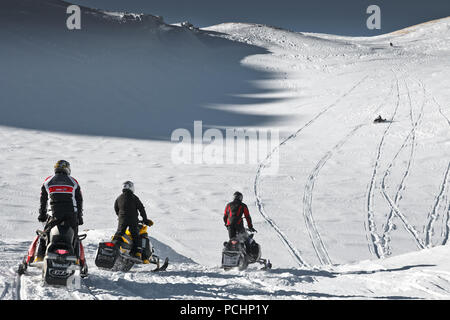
291, 248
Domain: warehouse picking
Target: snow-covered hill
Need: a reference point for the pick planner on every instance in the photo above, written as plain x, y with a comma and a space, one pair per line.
357, 209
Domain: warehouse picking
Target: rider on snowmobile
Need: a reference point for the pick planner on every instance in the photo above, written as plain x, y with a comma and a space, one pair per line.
127, 206
66, 202
233, 216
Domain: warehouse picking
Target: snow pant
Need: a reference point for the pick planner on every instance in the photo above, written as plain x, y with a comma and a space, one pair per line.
234, 230
132, 225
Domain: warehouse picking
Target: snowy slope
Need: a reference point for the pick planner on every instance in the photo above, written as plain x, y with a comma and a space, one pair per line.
348, 213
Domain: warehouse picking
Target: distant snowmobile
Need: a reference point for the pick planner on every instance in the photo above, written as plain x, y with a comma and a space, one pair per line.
115, 255
60, 261
241, 251
379, 119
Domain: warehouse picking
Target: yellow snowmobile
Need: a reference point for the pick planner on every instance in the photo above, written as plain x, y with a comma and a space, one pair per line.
115, 255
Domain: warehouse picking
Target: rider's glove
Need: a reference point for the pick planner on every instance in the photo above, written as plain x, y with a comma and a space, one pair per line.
80, 220
252, 229
148, 222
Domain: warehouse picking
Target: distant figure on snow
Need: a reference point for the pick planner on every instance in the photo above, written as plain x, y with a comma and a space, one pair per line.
379, 119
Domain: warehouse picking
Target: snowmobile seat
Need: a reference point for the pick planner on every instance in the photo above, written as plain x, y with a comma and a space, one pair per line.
61, 236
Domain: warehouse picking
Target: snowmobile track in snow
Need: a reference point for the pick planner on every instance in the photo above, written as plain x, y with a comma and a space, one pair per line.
433, 214
394, 203
440, 111
401, 187
318, 244
447, 225
371, 227
447, 218
17, 283
5, 290
294, 252
314, 234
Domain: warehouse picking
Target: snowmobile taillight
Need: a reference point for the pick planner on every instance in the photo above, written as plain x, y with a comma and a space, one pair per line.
234, 242
109, 244
61, 251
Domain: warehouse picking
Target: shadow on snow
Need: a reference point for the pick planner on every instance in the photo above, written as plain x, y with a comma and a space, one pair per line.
138, 78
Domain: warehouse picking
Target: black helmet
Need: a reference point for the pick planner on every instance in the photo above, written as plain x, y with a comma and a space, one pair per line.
238, 196
62, 166
128, 185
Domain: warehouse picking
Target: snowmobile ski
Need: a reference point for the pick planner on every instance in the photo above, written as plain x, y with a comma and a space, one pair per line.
163, 267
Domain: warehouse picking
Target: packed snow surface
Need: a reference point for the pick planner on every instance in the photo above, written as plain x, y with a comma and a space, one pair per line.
357, 210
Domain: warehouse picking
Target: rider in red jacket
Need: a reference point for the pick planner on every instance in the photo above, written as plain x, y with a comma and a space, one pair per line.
234, 212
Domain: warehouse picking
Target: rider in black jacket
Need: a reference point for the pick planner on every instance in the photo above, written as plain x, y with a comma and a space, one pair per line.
66, 203
127, 206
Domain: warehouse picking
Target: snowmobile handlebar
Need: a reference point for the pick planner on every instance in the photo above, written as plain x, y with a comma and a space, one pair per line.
81, 237
149, 222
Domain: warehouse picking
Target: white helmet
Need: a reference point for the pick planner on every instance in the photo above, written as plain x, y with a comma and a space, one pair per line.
128, 185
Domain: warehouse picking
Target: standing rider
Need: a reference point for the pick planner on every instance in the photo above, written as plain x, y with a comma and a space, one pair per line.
233, 216
66, 203
126, 207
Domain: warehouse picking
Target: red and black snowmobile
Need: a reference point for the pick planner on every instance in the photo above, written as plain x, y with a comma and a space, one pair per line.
61, 262
241, 251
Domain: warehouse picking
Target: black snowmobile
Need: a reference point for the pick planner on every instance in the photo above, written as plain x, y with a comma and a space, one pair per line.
241, 251
115, 255
60, 262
